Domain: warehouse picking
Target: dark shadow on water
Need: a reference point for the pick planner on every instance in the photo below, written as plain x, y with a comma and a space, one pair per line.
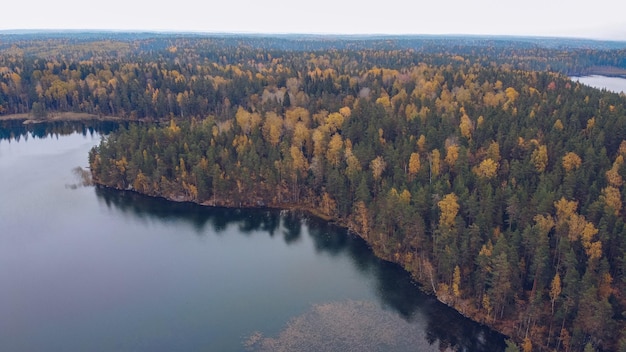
15, 130
293, 227
395, 289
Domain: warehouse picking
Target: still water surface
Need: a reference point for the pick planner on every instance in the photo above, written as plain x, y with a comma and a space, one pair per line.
91, 269
613, 84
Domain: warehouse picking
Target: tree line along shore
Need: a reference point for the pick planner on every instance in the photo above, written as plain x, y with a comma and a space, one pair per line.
496, 181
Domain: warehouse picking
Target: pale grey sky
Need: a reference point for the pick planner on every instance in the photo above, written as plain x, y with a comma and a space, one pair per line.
598, 19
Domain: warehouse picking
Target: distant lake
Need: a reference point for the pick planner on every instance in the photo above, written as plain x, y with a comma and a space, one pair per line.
614, 84
84, 268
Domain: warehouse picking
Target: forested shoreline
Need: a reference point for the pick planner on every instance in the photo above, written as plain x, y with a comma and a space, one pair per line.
492, 178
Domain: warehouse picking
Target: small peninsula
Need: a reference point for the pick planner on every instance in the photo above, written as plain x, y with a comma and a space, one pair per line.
474, 163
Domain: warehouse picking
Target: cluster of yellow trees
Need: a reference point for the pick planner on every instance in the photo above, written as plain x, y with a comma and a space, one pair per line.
499, 189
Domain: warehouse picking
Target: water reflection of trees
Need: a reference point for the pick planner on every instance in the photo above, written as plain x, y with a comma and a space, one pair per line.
395, 289
16, 130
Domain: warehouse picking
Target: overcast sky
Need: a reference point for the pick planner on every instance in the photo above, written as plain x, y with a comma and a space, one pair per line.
598, 19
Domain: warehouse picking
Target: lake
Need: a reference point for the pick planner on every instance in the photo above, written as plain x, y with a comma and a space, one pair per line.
614, 84
84, 268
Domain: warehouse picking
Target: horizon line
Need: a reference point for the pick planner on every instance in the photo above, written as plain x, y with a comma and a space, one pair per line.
18, 31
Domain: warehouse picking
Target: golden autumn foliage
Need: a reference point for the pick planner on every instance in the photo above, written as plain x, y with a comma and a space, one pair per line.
567, 220
414, 164
539, 158
300, 163
272, 128
593, 250
565, 209
328, 204
247, 121
191, 191
357, 143
493, 151
588, 232
384, 100
405, 197
493, 99
622, 148
555, 289
122, 164
452, 154
301, 135
614, 178
612, 198
378, 165
423, 113
381, 136
571, 161
173, 128
486, 304
319, 142
544, 223
558, 125
421, 143
396, 197
480, 121
353, 165
456, 282
334, 121
362, 218
466, 126
612, 175
486, 250
576, 226
449, 208
141, 183
297, 115
345, 111
590, 124
240, 143
511, 94
527, 346
333, 154
410, 111
487, 169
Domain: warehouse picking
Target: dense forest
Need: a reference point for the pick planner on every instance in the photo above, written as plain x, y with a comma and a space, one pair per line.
475, 163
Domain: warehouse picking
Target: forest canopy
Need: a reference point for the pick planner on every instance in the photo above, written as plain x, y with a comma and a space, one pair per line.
476, 164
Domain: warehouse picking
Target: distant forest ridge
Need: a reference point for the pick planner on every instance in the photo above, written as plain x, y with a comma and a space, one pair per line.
610, 71
407, 39
571, 56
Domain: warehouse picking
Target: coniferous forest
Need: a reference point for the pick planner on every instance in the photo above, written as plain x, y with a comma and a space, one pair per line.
474, 163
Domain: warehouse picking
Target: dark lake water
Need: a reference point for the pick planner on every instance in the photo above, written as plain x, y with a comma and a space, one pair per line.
91, 269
